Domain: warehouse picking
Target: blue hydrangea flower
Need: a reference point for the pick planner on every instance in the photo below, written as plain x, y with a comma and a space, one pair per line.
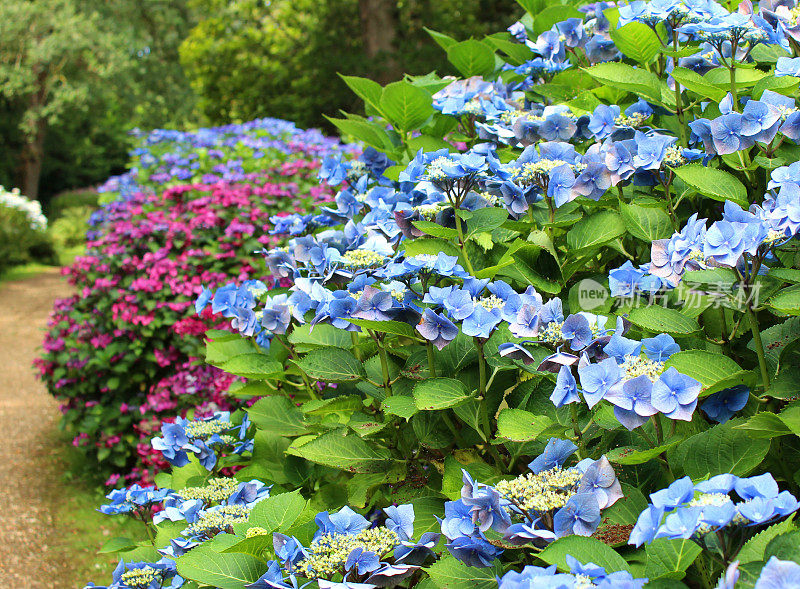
779, 574
437, 329
721, 406
555, 453
474, 550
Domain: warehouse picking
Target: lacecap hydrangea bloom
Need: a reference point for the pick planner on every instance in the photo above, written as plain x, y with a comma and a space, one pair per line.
724, 503
549, 502
349, 550
580, 576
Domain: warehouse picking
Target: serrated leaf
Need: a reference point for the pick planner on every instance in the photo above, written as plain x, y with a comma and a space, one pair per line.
646, 223
629, 456
331, 365
786, 301
117, 545
595, 230
714, 371
636, 41
670, 558
622, 76
517, 52
745, 77
585, 550
431, 246
439, 393
405, 105
345, 451
753, 549
784, 547
370, 133
450, 573
659, 319
714, 183
720, 449
278, 512
278, 415
346, 403
444, 41
765, 425
393, 327
486, 219
693, 81
519, 425
471, 58
717, 278
435, 229
400, 405
305, 337
253, 366
367, 90
206, 566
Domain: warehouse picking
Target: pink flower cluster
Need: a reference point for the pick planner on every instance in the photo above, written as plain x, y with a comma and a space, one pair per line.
121, 354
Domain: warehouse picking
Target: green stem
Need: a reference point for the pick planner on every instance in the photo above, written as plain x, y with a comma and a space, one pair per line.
552, 215
484, 406
678, 99
431, 364
670, 207
451, 426
481, 368
759, 345
659, 431
573, 408
732, 70
306, 382
385, 370
384, 364
463, 247
150, 535
354, 339
647, 438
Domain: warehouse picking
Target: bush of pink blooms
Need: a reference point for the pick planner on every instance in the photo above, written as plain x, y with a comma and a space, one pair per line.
123, 352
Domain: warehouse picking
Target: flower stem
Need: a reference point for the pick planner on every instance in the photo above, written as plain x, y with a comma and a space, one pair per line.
659, 431
463, 246
759, 345
354, 339
486, 425
431, 364
573, 409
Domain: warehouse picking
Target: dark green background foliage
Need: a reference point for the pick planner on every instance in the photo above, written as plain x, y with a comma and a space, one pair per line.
249, 61
185, 63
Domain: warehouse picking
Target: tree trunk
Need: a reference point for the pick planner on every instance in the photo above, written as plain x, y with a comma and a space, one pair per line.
378, 33
32, 156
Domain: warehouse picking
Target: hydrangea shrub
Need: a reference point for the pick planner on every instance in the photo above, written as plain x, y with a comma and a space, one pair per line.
123, 352
545, 336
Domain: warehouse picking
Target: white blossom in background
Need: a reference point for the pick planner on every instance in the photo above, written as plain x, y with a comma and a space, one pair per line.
32, 208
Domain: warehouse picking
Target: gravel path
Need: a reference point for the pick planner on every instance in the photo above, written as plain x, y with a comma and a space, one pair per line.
29, 478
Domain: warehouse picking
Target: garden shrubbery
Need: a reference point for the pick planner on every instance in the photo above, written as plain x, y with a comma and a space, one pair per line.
23, 231
122, 352
545, 335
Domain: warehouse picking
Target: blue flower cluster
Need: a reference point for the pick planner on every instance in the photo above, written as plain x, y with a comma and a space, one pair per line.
161, 574
357, 552
549, 502
579, 576
135, 498
200, 436
166, 157
631, 375
743, 240
693, 511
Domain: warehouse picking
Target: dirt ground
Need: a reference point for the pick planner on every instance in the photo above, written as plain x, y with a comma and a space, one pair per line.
29, 479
